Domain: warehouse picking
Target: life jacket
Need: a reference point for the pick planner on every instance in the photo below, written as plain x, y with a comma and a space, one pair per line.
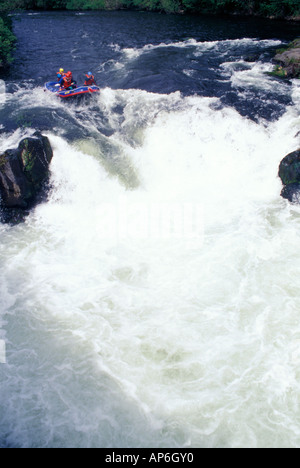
67, 80
59, 75
89, 80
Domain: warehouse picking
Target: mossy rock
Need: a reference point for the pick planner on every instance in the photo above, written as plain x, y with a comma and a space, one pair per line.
3, 160
28, 158
291, 192
35, 155
288, 61
24, 170
289, 168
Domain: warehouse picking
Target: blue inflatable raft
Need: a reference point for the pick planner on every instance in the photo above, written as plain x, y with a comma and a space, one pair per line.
54, 88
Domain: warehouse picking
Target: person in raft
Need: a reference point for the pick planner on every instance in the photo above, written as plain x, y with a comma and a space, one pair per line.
60, 74
90, 79
66, 82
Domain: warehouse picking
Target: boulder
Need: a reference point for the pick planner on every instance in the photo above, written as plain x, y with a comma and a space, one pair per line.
288, 61
24, 170
289, 168
292, 193
289, 173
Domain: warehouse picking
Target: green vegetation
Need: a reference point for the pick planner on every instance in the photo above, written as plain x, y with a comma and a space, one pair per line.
268, 8
27, 158
288, 60
3, 160
278, 71
7, 39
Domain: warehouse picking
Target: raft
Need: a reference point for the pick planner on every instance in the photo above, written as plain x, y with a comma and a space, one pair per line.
54, 88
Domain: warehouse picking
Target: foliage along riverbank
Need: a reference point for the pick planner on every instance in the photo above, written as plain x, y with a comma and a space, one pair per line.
280, 9
288, 60
288, 9
7, 41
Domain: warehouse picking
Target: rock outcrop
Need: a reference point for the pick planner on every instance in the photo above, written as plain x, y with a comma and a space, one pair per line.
23, 171
289, 173
288, 61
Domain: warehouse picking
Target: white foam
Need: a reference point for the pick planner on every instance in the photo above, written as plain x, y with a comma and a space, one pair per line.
128, 341
200, 47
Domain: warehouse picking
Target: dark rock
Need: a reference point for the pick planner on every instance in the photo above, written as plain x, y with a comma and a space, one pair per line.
24, 170
292, 193
289, 173
289, 168
252, 58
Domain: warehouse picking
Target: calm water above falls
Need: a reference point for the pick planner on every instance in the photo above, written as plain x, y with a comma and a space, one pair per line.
153, 299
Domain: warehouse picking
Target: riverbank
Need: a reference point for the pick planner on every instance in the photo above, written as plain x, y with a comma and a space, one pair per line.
7, 42
272, 9
288, 61
288, 10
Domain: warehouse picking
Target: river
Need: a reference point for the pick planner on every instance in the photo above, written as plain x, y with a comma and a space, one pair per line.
153, 299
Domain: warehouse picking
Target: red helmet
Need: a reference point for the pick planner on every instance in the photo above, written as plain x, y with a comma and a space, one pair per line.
69, 73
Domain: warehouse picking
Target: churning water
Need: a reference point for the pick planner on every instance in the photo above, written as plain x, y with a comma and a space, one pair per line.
153, 299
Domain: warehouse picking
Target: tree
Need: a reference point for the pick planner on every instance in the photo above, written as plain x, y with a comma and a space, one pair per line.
7, 43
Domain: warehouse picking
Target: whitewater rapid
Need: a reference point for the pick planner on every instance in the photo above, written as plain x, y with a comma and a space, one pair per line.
153, 299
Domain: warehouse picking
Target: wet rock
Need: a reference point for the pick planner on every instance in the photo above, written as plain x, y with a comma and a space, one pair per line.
288, 61
292, 193
252, 58
23, 171
289, 173
289, 168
